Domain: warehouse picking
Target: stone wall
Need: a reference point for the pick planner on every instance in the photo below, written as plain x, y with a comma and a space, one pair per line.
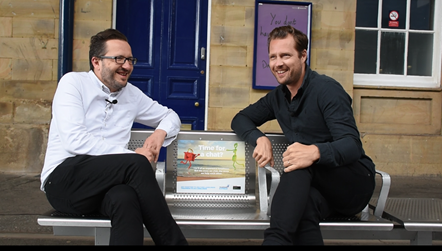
28, 79
28, 72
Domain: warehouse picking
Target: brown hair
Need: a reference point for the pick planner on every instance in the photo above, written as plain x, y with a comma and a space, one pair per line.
97, 47
301, 40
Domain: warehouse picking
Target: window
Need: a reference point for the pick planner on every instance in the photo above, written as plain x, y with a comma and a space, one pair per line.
397, 43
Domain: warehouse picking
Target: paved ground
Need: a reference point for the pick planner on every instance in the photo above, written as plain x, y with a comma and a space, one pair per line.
21, 202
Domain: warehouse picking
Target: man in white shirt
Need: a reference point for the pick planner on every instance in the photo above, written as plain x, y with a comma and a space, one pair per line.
88, 167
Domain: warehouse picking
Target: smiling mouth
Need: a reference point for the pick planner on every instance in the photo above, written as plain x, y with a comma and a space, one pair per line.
123, 73
281, 73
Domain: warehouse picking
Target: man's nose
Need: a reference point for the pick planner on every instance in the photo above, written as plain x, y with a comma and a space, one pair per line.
279, 61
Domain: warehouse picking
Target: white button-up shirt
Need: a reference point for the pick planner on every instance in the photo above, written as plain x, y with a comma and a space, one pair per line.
84, 123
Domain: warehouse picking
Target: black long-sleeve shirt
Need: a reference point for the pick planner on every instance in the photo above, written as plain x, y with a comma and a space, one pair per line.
319, 114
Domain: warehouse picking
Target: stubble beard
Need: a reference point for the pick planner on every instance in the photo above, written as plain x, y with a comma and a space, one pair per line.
288, 80
108, 77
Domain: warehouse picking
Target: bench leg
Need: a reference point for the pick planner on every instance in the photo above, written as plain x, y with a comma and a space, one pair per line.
423, 238
102, 236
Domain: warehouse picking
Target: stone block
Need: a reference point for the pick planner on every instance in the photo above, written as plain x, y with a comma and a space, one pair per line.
22, 148
231, 97
412, 155
219, 119
234, 2
227, 76
85, 29
28, 69
5, 26
29, 48
93, 10
228, 15
232, 35
28, 112
5, 68
33, 27
29, 90
229, 55
6, 112
30, 8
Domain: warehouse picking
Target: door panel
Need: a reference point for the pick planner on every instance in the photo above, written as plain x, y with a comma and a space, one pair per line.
166, 37
184, 80
147, 22
183, 27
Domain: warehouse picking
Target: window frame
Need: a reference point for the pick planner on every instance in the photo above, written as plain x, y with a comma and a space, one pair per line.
364, 79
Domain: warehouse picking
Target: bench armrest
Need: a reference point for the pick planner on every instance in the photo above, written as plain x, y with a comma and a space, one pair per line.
265, 200
385, 189
160, 175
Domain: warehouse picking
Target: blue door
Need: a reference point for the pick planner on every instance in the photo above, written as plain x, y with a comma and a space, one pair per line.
169, 39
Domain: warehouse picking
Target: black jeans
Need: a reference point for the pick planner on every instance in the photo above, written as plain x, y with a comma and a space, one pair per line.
306, 196
121, 186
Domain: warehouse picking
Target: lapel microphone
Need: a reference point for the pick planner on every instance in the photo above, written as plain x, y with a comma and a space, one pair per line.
112, 102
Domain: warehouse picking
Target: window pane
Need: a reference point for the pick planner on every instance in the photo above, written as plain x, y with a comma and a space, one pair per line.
389, 19
420, 54
367, 13
392, 53
365, 51
422, 14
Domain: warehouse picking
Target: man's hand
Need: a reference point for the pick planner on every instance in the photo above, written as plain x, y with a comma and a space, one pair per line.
263, 153
298, 156
152, 145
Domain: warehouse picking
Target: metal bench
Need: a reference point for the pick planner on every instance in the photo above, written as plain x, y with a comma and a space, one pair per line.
419, 219
234, 214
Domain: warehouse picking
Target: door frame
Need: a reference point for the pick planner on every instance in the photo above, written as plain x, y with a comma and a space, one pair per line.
209, 18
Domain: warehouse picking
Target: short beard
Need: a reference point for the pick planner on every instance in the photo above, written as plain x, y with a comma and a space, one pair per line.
108, 78
290, 80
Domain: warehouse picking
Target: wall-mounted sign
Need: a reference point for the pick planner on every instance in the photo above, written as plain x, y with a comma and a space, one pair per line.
394, 16
269, 15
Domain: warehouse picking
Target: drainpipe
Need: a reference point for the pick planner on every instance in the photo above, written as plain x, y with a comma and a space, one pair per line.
66, 37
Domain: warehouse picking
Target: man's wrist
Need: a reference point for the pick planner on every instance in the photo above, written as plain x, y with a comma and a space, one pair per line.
161, 132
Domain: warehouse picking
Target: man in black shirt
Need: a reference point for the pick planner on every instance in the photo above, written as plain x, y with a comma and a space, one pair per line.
325, 168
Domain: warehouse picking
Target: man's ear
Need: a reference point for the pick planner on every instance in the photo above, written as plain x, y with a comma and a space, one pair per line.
95, 62
304, 56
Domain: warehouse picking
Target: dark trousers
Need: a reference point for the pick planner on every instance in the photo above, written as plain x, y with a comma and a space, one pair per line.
121, 186
306, 196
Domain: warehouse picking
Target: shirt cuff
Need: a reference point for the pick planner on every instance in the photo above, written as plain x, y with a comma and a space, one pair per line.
325, 154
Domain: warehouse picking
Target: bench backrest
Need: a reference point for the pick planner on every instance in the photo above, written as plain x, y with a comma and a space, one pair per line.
187, 182
279, 145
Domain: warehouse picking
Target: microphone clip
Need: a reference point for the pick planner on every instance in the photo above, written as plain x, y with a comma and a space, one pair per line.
111, 102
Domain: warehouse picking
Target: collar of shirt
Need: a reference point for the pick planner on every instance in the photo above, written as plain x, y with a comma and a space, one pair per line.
304, 85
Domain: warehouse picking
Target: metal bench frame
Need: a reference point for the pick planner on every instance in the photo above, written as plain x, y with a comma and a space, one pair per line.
248, 216
419, 219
